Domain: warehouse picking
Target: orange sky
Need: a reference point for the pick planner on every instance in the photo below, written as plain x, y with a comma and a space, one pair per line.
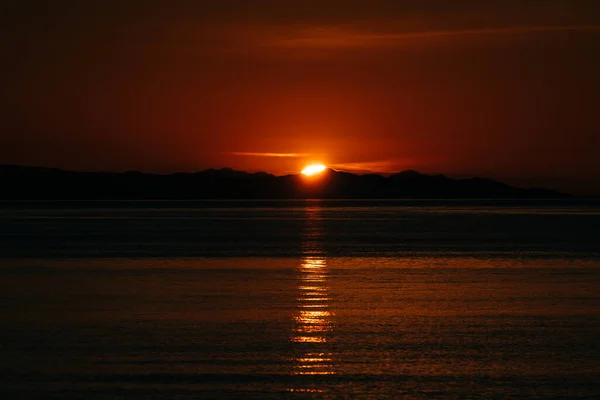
499, 88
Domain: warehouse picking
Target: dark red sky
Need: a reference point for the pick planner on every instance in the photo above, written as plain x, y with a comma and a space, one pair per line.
504, 89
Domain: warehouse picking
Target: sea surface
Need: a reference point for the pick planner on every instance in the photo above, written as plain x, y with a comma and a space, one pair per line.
413, 299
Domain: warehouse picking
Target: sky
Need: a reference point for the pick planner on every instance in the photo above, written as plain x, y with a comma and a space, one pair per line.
503, 89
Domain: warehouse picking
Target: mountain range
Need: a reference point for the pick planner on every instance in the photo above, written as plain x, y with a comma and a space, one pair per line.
37, 183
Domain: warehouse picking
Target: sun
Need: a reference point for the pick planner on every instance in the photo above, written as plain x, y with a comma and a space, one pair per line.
313, 169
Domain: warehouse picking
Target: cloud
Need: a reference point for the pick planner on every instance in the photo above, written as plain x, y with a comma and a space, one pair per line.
338, 37
250, 154
378, 166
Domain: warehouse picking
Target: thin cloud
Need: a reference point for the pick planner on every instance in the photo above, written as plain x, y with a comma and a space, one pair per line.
250, 154
380, 166
339, 37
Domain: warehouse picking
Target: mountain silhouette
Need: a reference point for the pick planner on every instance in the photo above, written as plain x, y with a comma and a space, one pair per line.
37, 183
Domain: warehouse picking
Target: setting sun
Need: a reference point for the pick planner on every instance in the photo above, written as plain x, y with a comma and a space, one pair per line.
313, 169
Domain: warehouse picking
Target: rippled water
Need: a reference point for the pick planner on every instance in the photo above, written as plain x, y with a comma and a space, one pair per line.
300, 300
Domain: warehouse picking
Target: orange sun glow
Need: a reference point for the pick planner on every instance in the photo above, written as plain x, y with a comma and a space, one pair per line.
313, 169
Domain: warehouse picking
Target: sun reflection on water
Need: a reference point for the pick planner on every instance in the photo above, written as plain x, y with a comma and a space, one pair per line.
313, 317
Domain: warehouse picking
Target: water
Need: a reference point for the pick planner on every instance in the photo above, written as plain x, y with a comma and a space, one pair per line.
316, 299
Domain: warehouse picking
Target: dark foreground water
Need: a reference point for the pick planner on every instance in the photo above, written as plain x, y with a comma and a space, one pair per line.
336, 299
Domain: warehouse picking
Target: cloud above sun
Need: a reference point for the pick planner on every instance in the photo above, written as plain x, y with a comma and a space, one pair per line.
283, 155
341, 37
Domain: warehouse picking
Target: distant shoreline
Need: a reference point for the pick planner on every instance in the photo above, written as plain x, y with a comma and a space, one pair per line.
38, 183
